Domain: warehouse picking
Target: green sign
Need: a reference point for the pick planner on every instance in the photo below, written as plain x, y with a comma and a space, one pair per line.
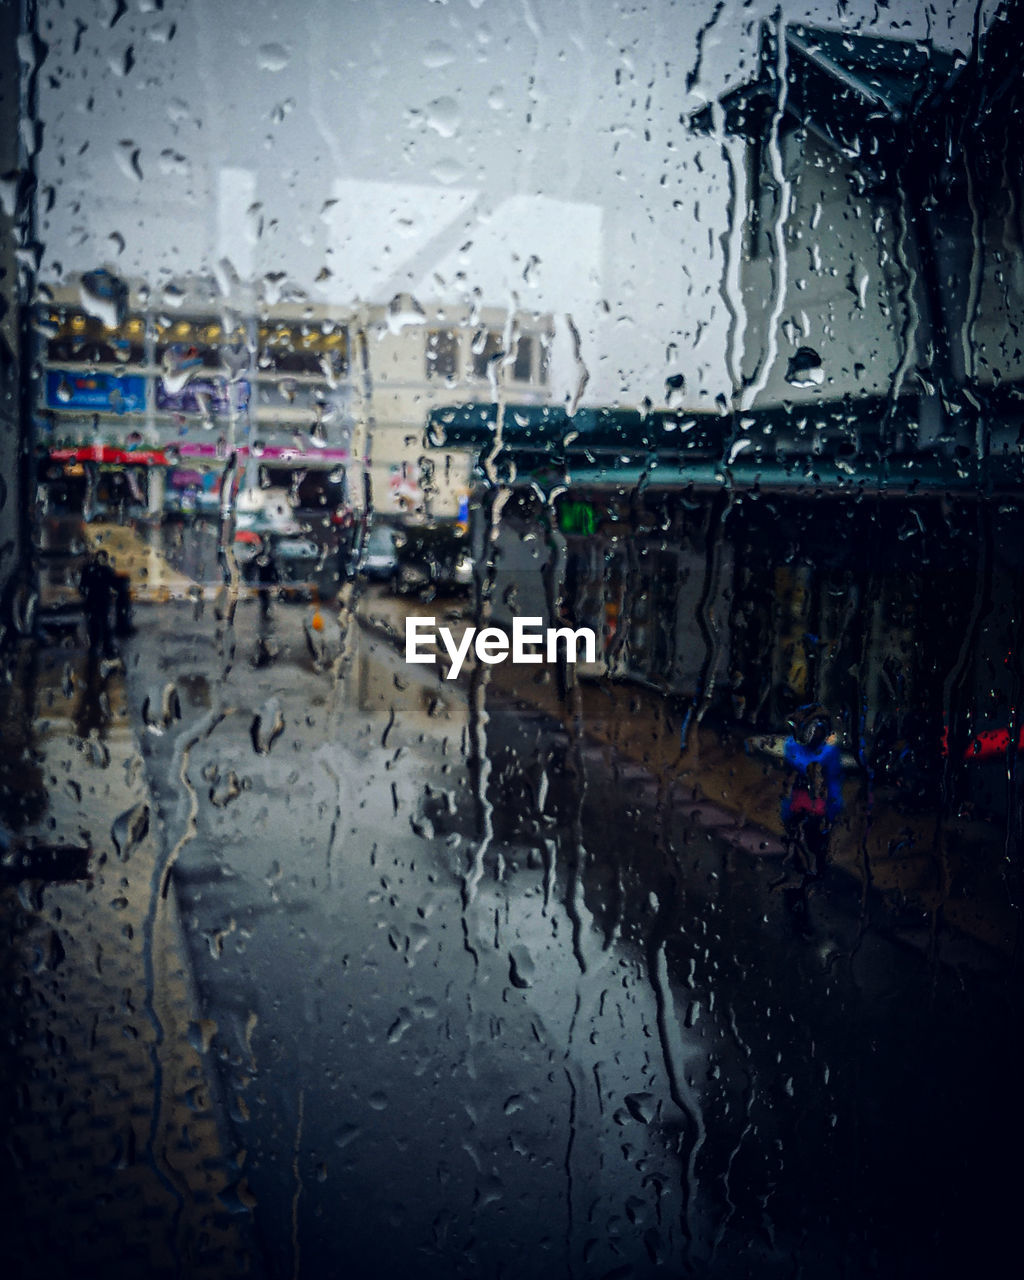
577, 518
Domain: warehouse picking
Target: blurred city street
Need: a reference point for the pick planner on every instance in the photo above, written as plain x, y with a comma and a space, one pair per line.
681, 938
467, 978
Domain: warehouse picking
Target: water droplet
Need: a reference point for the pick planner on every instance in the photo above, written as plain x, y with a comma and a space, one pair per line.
520, 967
174, 164
121, 61
443, 117
399, 1027
273, 57
162, 33
642, 1107
448, 171
114, 11
238, 1198
224, 790
55, 954
201, 1033
805, 368
267, 726
129, 829
128, 160
438, 54
348, 1133
170, 709
9, 184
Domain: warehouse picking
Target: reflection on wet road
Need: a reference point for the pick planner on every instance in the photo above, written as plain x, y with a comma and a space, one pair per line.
486, 999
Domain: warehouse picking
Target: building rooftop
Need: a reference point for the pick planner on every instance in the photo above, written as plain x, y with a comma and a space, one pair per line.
846, 89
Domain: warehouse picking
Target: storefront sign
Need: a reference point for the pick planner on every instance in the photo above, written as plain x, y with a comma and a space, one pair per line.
203, 395
577, 517
100, 392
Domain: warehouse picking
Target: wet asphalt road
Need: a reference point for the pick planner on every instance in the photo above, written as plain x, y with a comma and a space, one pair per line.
485, 1000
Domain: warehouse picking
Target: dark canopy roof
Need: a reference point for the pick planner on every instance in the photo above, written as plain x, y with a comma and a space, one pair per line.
859, 94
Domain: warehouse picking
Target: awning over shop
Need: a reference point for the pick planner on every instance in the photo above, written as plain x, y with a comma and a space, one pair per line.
111, 455
890, 477
282, 455
834, 447
552, 427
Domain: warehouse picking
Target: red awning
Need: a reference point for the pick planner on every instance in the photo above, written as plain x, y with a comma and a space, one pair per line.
107, 453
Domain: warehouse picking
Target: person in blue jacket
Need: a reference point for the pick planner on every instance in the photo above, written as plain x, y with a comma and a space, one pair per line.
813, 799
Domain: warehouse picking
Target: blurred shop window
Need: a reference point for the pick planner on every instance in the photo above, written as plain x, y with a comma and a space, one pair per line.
80, 338
193, 343
543, 358
487, 347
304, 350
315, 490
522, 368
442, 354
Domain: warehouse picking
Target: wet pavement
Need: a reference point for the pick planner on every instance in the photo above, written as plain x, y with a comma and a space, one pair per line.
484, 987
502, 999
939, 882
113, 1159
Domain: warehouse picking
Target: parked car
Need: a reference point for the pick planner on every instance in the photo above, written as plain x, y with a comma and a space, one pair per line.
302, 569
432, 556
379, 559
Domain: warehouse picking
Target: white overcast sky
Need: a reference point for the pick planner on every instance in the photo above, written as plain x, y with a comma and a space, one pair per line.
521, 153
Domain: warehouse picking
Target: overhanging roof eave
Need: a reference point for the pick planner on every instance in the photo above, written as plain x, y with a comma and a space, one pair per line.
766, 478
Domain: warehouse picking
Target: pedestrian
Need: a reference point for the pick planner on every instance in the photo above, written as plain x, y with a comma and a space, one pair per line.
98, 588
316, 639
266, 575
813, 799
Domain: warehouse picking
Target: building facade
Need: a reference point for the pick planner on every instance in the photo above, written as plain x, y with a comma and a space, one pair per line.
182, 371
15, 164
846, 529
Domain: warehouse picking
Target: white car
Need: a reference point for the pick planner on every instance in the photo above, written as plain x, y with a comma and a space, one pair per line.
266, 509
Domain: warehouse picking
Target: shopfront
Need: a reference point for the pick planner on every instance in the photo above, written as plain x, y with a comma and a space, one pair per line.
103, 482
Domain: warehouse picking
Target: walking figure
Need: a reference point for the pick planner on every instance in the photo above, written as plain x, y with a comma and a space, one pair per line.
98, 588
266, 575
814, 798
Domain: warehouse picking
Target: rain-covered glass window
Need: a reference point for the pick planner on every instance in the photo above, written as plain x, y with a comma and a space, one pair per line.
511, 677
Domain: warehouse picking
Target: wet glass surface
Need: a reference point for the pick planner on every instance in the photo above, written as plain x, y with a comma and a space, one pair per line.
354, 924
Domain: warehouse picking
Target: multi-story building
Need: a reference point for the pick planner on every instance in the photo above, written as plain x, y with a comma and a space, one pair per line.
419, 359
182, 371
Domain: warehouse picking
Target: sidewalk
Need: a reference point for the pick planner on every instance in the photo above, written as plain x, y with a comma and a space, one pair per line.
114, 1159
924, 875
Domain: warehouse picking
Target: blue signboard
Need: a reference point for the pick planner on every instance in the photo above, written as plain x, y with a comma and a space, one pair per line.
99, 392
